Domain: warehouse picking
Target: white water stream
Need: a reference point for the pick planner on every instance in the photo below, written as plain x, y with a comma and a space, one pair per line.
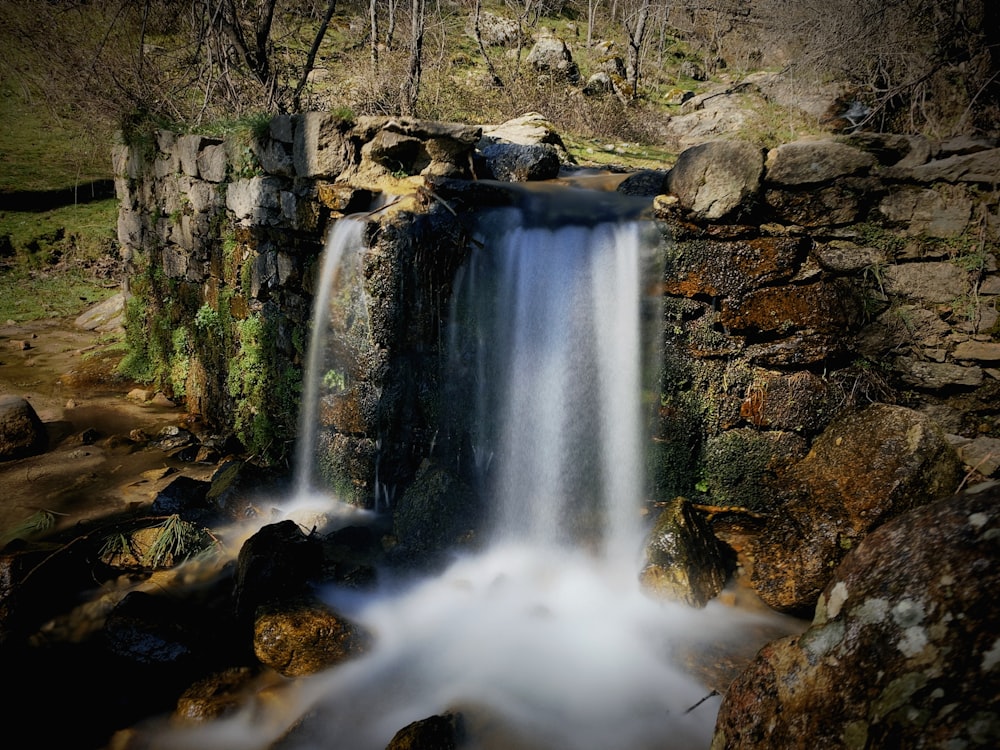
545, 641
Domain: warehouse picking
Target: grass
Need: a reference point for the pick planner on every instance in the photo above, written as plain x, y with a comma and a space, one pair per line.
56, 253
40, 150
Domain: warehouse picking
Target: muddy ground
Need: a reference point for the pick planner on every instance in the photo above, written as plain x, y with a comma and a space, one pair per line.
92, 467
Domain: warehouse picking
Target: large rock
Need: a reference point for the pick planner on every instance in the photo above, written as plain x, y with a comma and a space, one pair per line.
866, 468
530, 129
684, 560
551, 56
713, 180
903, 649
814, 161
512, 162
21, 431
302, 636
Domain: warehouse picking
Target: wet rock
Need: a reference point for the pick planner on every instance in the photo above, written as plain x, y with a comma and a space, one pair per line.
902, 651
215, 696
21, 430
184, 497
811, 162
684, 560
443, 732
436, 512
275, 563
511, 162
173, 437
715, 179
866, 468
303, 636
648, 182
154, 630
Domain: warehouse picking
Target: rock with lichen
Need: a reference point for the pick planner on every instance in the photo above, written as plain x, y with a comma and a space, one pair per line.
903, 650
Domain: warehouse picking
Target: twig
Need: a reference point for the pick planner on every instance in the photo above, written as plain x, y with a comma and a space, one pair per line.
710, 695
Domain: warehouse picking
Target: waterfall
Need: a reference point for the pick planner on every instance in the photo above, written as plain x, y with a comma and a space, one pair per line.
550, 319
544, 639
338, 271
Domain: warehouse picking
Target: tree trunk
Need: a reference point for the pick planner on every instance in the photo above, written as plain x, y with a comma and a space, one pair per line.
411, 86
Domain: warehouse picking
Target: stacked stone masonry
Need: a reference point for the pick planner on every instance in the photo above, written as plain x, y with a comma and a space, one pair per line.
798, 284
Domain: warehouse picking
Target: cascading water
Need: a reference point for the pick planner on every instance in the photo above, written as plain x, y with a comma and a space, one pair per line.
338, 268
544, 640
551, 319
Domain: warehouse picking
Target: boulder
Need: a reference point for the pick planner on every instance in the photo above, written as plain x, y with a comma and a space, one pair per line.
743, 467
303, 636
443, 732
808, 162
530, 129
275, 563
684, 560
867, 467
715, 179
551, 56
21, 431
903, 648
512, 162
220, 694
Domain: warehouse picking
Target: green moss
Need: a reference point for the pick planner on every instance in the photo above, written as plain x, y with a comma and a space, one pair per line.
265, 388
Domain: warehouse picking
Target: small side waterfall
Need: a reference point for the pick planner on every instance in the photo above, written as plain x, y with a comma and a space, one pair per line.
337, 276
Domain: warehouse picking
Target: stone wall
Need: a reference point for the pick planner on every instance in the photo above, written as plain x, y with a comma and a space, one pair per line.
802, 288
799, 285
222, 240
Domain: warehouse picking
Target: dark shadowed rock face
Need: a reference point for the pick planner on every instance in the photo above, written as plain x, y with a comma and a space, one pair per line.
903, 651
866, 468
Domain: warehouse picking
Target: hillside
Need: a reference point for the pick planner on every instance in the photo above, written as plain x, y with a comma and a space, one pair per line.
628, 83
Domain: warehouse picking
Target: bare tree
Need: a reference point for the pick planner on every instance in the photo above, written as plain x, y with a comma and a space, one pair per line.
410, 88
311, 58
635, 21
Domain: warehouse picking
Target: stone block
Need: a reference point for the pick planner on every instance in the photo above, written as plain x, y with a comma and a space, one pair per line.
212, 162
937, 281
811, 162
321, 145
187, 148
